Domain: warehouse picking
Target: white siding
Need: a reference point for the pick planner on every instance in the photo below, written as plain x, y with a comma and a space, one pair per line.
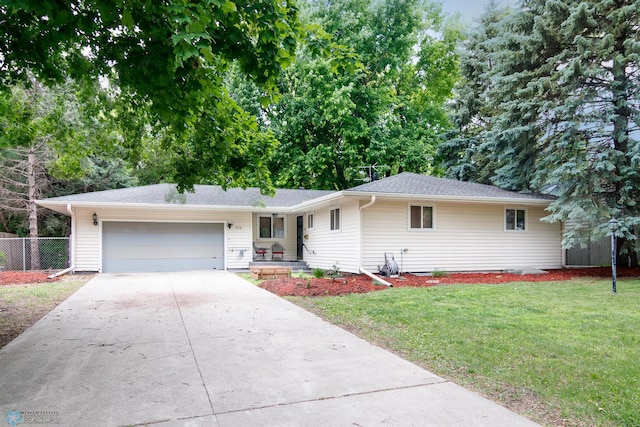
466, 237
328, 247
88, 241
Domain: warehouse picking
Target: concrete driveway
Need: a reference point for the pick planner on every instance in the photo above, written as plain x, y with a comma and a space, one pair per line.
210, 349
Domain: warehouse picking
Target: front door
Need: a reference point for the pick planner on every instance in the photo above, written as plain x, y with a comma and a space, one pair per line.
300, 241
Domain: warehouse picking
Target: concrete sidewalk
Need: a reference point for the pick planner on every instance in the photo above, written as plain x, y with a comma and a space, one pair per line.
210, 349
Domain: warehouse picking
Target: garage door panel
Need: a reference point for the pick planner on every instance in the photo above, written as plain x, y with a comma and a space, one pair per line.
142, 241
139, 246
152, 265
162, 252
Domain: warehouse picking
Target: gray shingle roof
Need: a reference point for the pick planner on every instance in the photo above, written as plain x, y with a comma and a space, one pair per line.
405, 183
412, 183
204, 195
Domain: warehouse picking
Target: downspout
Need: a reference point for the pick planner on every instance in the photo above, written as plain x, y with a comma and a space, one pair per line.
72, 248
376, 278
362, 270
371, 203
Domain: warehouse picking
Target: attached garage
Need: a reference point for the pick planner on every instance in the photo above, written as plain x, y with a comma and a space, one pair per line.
161, 246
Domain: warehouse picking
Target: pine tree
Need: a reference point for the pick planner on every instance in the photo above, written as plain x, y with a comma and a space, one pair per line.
592, 135
565, 111
465, 153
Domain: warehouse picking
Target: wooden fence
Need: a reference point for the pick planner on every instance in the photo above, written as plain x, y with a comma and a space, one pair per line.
594, 254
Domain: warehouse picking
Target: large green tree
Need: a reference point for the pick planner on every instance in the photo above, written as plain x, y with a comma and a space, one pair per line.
564, 93
28, 128
52, 143
168, 57
385, 110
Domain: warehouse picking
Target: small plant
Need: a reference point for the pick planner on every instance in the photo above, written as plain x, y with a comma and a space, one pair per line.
3, 259
334, 273
438, 273
318, 273
308, 285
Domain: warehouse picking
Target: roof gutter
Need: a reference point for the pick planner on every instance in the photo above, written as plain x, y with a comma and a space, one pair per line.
72, 251
406, 196
117, 205
328, 198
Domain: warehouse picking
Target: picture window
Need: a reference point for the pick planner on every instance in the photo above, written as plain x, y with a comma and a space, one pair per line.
271, 227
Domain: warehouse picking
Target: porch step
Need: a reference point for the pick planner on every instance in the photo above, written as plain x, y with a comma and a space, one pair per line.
294, 265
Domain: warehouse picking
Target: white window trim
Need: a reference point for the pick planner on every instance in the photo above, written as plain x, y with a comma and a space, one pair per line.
422, 205
271, 217
313, 220
516, 209
340, 218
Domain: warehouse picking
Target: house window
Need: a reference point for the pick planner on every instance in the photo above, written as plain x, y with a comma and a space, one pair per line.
271, 227
335, 219
515, 219
310, 221
421, 217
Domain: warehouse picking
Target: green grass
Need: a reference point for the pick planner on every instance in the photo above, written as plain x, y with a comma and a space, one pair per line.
23, 305
553, 351
42, 292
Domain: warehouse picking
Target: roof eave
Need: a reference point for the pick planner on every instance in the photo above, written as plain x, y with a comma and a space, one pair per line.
60, 206
473, 199
317, 202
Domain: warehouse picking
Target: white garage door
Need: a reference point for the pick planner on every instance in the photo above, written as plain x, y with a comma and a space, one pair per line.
161, 246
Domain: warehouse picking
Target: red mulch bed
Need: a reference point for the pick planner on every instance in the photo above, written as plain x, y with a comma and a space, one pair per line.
350, 284
18, 277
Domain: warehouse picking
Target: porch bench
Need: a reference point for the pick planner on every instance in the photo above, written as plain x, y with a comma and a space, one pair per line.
269, 272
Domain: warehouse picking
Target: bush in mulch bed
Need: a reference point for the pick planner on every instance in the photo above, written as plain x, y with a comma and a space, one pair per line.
360, 283
20, 277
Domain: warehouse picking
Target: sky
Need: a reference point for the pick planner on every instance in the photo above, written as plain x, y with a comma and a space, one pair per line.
470, 9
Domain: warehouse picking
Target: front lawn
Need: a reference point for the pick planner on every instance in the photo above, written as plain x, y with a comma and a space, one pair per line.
560, 353
24, 303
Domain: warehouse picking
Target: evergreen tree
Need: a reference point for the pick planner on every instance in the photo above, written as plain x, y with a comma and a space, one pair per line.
565, 111
466, 152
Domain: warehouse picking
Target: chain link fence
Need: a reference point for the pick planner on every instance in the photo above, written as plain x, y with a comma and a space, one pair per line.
26, 254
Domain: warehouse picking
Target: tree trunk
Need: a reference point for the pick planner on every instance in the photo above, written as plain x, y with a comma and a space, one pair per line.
32, 209
341, 180
3, 223
629, 259
620, 136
